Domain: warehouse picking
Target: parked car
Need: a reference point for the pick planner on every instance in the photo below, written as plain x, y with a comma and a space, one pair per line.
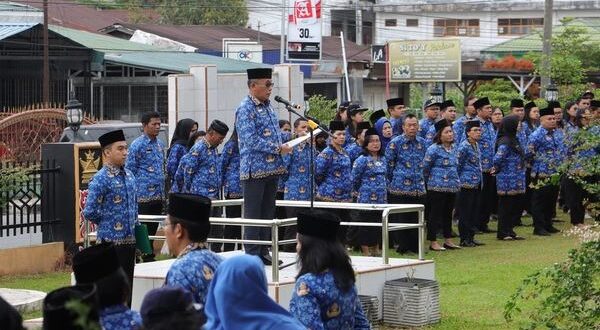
91, 133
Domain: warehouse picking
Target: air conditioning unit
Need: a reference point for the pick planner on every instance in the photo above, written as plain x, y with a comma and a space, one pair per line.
411, 302
370, 305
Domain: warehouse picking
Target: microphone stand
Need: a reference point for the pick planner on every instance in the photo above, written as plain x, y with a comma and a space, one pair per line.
312, 151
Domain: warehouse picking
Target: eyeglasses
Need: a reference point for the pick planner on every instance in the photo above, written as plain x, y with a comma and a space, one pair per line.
267, 85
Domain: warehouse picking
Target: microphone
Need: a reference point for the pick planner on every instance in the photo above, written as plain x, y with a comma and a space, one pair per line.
286, 102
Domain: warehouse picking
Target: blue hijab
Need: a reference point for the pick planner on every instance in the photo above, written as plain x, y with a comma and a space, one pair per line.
379, 128
238, 298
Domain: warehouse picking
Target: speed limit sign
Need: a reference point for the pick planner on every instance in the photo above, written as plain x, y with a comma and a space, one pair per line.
304, 30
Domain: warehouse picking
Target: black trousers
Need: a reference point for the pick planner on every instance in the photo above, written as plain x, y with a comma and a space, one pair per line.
528, 191
126, 255
233, 232
574, 195
543, 202
290, 231
509, 214
151, 208
440, 206
487, 200
216, 231
259, 203
468, 212
407, 240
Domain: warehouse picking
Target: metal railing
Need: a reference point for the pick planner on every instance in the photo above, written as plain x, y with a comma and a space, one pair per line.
386, 226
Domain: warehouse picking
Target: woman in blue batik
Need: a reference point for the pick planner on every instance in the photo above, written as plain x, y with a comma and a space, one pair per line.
369, 181
441, 176
509, 166
383, 126
232, 189
355, 149
333, 172
184, 129
355, 116
530, 123
325, 294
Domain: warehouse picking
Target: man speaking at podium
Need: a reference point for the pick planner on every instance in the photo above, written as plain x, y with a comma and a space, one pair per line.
261, 163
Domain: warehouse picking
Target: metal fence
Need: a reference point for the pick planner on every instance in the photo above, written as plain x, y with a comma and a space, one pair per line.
21, 208
386, 226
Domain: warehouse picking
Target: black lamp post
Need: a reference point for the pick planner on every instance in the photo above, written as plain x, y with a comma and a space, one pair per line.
551, 93
436, 94
74, 113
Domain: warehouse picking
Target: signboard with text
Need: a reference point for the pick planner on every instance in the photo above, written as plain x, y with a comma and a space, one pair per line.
304, 30
424, 60
378, 53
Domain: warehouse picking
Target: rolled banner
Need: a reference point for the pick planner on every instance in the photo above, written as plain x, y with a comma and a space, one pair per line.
142, 241
301, 139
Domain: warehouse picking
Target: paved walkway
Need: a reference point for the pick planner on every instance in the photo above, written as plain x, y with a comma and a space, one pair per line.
23, 300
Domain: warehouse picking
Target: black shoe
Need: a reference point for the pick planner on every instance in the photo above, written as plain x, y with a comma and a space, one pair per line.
268, 261
505, 238
518, 238
477, 243
148, 257
467, 244
488, 231
552, 230
451, 247
541, 232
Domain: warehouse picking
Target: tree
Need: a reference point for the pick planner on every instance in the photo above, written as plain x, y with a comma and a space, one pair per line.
321, 108
573, 55
499, 91
203, 12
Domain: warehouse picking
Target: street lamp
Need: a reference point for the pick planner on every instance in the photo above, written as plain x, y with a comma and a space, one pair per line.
551, 93
74, 113
436, 94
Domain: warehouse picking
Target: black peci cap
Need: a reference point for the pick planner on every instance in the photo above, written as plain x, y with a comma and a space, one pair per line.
376, 115
516, 103
111, 137
363, 125
394, 102
58, 316
446, 104
470, 124
546, 112
336, 125
219, 127
260, 73
320, 224
482, 102
440, 124
95, 262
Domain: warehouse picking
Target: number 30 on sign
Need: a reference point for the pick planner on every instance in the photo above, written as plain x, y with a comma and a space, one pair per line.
304, 30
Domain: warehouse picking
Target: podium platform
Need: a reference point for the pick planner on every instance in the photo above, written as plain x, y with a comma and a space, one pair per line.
371, 275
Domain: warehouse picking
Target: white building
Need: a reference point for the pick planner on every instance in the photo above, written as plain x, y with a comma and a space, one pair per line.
479, 24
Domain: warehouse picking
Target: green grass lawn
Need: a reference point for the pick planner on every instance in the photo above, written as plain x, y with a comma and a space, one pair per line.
475, 282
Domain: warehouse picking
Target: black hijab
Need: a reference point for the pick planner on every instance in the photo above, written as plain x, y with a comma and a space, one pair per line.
182, 131
507, 134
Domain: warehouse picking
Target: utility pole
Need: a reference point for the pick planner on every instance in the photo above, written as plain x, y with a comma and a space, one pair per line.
282, 40
46, 60
547, 46
358, 23
258, 38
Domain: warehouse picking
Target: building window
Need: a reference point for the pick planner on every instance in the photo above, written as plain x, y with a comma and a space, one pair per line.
390, 22
456, 28
412, 22
518, 26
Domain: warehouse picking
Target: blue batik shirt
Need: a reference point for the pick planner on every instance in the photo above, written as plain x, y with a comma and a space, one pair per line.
459, 129
397, 125
333, 173
285, 137
522, 137
193, 270
487, 143
429, 136
199, 171
369, 179
119, 317
354, 151
439, 169
297, 185
424, 125
405, 166
175, 153
510, 171
146, 160
545, 149
469, 165
112, 205
230, 170
258, 139
319, 304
